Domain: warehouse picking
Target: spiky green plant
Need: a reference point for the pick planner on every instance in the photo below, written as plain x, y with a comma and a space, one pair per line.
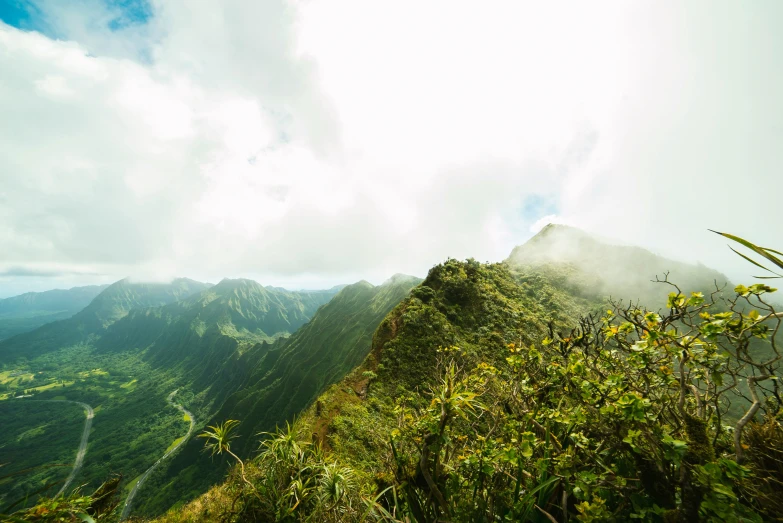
219, 438
219, 441
765, 252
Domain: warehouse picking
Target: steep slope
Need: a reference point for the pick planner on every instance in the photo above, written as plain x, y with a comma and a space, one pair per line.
624, 272
284, 378
114, 302
331, 345
29, 311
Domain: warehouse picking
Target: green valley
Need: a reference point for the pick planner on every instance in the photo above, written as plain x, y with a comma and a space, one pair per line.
282, 378
118, 355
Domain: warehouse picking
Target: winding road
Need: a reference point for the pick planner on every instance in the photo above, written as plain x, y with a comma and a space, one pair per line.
137, 486
77, 464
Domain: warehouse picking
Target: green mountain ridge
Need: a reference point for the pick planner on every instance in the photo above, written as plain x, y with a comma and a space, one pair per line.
475, 306
123, 296
241, 309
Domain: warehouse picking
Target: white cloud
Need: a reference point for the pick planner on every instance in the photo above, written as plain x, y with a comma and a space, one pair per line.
310, 141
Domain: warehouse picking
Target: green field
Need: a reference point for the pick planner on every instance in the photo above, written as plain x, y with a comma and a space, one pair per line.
38, 435
133, 424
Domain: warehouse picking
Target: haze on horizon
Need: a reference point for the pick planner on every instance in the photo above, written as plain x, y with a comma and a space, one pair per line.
308, 143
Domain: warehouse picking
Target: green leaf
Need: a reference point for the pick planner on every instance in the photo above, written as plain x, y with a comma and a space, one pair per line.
675, 301
527, 441
754, 262
766, 253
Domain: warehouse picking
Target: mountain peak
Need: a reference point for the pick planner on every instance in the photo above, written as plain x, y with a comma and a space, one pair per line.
608, 267
238, 283
401, 278
122, 296
552, 227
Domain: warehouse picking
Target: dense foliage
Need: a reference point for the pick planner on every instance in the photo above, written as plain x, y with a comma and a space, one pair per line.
624, 417
46, 432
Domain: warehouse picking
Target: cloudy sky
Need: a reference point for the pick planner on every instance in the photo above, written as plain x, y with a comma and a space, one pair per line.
314, 142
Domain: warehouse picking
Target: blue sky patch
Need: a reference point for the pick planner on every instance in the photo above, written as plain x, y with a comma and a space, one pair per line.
31, 16
21, 14
536, 206
133, 12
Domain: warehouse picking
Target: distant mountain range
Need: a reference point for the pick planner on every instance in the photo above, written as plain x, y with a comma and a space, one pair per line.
29, 311
111, 304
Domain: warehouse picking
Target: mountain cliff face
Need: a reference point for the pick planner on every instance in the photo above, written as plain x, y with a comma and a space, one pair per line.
29, 311
123, 296
336, 340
